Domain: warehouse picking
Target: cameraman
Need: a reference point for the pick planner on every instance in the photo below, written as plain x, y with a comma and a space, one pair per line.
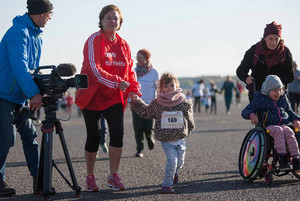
20, 51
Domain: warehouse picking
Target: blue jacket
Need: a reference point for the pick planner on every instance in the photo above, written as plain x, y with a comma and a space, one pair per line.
274, 112
20, 50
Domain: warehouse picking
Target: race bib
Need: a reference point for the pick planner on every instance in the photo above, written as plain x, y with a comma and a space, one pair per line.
171, 120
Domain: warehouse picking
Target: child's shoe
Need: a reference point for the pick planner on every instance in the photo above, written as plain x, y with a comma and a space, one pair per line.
139, 154
296, 164
284, 162
115, 182
175, 178
91, 183
167, 190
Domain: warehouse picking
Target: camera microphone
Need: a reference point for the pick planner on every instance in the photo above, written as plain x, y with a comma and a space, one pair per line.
66, 69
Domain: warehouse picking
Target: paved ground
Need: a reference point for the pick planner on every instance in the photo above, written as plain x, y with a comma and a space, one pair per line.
210, 172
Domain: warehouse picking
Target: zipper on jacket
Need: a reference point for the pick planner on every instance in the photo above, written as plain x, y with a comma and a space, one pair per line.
280, 118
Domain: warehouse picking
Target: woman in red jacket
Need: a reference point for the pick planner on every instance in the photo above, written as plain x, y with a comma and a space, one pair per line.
108, 65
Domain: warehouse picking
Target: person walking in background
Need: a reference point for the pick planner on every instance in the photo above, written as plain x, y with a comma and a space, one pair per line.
148, 77
103, 133
206, 99
20, 52
197, 91
228, 87
294, 89
174, 122
240, 88
69, 101
268, 57
108, 65
213, 90
188, 95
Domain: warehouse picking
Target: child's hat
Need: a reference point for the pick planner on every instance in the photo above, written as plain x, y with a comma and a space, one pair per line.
271, 82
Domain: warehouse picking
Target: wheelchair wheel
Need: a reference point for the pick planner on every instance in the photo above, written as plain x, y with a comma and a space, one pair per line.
252, 154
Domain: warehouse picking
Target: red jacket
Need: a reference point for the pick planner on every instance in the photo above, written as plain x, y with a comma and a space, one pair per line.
106, 64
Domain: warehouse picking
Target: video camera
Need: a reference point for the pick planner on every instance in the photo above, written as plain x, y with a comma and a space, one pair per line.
52, 84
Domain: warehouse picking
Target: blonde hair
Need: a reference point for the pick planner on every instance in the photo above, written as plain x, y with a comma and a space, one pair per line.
167, 78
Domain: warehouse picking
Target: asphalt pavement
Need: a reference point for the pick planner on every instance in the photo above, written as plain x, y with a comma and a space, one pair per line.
210, 171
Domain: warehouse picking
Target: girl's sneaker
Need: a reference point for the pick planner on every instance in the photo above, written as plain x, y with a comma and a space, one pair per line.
115, 182
91, 183
167, 190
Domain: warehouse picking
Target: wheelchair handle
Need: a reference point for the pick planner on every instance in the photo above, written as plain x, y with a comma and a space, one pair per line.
254, 85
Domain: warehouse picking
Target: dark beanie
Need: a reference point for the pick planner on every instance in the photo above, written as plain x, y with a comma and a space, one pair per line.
38, 6
146, 54
273, 28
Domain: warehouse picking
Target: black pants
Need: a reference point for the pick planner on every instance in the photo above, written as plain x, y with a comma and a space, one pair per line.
115, 119
141, 126
197, 103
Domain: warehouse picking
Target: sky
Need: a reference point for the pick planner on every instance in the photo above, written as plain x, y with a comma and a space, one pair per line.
190, 38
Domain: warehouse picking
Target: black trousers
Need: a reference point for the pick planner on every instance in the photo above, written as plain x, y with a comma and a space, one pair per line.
141, 126
115, 119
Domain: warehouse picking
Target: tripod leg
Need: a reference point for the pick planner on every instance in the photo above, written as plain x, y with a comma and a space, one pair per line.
48, 145
39, 183
59, 131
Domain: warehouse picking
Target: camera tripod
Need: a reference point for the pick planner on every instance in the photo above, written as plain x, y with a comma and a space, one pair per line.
44, 179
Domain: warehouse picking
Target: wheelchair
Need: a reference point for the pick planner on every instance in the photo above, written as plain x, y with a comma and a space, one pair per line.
258, 157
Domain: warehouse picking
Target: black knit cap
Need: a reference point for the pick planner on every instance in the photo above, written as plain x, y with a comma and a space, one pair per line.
38, 6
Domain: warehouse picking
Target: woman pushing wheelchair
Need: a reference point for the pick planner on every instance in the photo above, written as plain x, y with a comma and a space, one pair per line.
269, 56
272, 102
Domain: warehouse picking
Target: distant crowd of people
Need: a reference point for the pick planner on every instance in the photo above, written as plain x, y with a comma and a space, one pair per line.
206, 95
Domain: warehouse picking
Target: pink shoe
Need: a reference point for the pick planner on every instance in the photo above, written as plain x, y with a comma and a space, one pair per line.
91, 183
115, 182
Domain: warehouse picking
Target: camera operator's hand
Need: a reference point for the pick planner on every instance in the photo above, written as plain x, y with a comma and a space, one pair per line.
36, 102
123, 85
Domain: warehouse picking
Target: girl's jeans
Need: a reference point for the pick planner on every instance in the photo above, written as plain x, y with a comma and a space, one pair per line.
8, 135
175, 159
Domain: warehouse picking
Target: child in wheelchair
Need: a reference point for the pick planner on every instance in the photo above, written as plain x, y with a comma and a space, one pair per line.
272, 102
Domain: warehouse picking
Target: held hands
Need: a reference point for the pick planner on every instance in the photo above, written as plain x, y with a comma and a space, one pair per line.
123, 85
253, 118
249, 80
36, 102
133, 96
